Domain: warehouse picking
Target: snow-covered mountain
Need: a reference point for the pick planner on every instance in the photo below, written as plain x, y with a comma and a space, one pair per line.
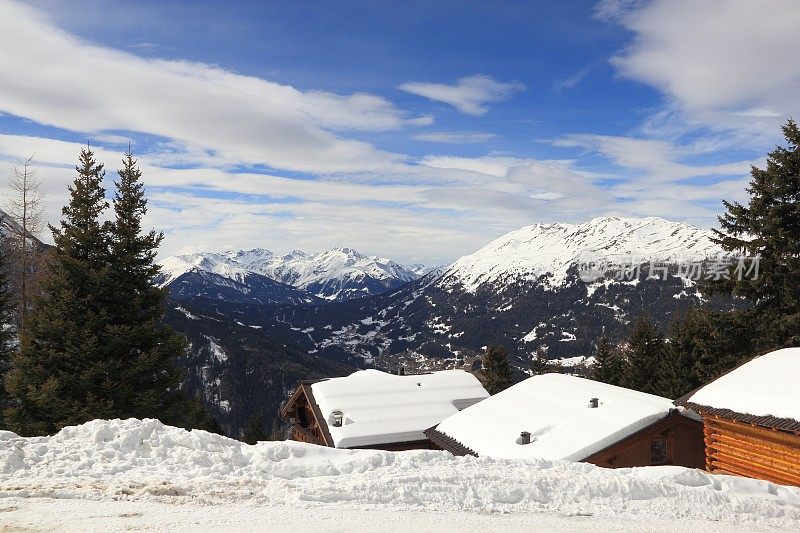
550, 250
523, 290
339, 274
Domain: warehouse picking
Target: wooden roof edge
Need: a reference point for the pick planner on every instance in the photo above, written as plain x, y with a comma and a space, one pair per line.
304, 389
284, 411
789, 425
448, 443
321, 422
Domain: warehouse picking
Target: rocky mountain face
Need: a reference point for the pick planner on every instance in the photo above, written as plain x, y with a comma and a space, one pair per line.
335, 275
237, 370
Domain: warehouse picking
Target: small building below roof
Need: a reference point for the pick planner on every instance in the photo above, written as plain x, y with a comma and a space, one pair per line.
556, 416
373, 409
752, 418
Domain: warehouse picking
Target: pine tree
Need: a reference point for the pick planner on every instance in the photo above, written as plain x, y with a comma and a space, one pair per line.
61, 374
644, 352
717, 341
769, 227
608, 367
254, 432
196, 416
497, 371
145, 349
540, 364
678, 369
6, 333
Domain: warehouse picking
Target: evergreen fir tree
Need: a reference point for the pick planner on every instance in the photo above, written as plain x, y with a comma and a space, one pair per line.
6, 333
717, 342
644, 352
497, 372
769, 227
254, 431
678, 369
61, 375
196, 416
540, 364
144, 349
608, 367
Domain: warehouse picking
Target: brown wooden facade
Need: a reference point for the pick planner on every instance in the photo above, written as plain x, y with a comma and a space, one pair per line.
673, 440
736, 447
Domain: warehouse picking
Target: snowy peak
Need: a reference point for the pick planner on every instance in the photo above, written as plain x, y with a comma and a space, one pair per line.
174, 267
540, 249
337, 274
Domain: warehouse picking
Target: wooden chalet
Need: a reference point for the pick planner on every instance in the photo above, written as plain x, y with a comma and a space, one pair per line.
751, 418
377, 410
557, 416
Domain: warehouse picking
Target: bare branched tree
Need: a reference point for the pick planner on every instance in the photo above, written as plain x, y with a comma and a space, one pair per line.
25, 208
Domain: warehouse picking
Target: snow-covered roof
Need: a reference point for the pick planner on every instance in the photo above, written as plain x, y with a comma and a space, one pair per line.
554, 409
764, 386
380, 408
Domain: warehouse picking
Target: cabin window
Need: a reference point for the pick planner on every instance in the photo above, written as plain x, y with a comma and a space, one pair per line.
658, 452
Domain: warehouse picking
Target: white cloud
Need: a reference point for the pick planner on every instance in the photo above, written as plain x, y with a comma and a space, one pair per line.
456, 137
352, 193
727, 63
659, 160
55, 79
470, 95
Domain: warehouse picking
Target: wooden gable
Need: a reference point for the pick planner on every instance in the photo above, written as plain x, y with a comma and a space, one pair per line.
307, 422
673, 440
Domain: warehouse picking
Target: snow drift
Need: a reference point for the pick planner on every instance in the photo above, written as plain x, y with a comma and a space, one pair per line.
148, 461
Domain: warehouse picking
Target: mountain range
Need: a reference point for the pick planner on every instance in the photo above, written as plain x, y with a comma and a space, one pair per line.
525, 290
339, 274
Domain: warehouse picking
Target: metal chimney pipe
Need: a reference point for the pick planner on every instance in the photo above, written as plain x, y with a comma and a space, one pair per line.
525, 437
594, 403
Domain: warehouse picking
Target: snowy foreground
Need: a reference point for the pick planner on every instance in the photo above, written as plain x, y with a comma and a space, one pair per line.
112, 475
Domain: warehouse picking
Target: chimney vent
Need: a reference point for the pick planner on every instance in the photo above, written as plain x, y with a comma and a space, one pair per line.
594, 403
525, 437
337, 417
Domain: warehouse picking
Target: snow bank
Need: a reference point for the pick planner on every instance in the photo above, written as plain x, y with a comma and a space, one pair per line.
134, 460
767, 385
554, 409
380, 408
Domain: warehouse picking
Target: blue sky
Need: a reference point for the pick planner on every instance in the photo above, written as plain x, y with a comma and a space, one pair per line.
414, 130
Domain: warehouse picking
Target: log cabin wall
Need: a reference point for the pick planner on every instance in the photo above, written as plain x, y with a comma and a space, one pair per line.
742, 449
673, 440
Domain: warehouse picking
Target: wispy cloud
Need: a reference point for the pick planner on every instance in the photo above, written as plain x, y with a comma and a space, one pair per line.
572, 80
471, 95
456, 137
242, 118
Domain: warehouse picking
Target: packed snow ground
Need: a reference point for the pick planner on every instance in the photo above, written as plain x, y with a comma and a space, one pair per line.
141, 474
